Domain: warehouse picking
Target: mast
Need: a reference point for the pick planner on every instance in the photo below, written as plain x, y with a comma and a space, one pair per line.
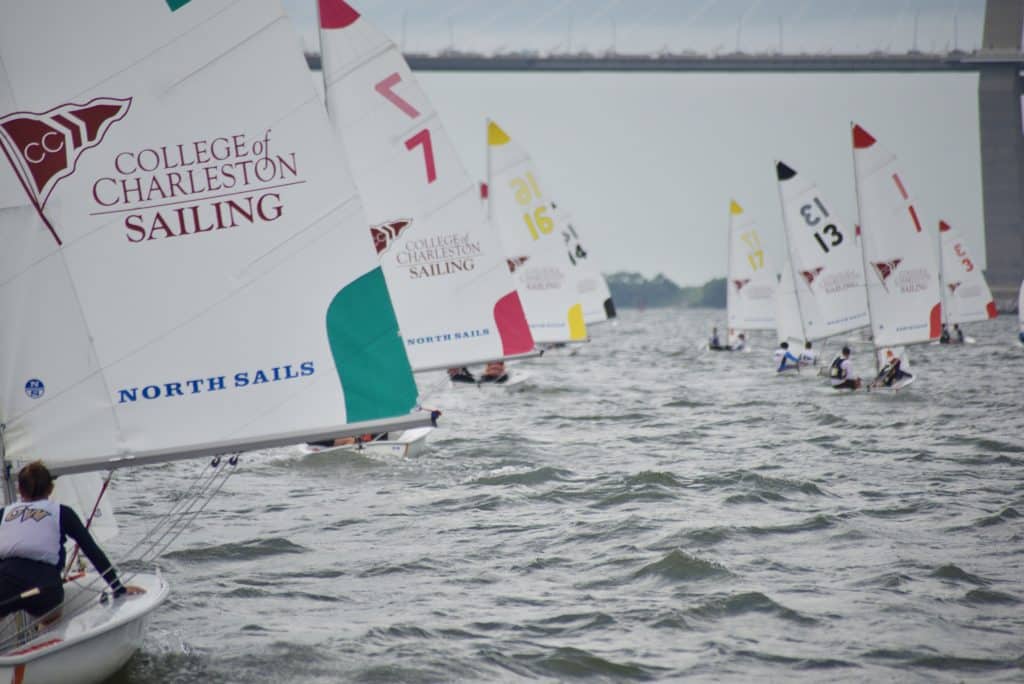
487, 171
728, 274
5, 467
789, 251
320, 42
863, 257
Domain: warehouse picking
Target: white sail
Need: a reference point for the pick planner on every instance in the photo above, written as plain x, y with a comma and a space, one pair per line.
965, 294
788, 322
86, 494
454, 296
591, 286
828, 269
185, 266
899, 257
750, 288
519, 206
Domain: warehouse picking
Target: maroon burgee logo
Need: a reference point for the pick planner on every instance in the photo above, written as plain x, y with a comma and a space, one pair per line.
740, 284
884, 269
386, 233
810, 275
515, 263
952, 287
44, 148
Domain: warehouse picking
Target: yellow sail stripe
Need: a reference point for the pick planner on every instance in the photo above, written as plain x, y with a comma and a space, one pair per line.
735, 208
577, 326
496, 136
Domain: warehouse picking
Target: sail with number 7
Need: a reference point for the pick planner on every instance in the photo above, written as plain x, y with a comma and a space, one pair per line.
455, 299
751, 281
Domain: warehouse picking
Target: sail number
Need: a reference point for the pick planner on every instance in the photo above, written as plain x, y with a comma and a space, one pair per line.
526, 192
964, 259
386, 89
756, 254
814, 214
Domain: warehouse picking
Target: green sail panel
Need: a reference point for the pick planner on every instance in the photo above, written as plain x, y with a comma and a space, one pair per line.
176, 5
372, 365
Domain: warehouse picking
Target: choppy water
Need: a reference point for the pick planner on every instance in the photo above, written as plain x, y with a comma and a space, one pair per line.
638, 511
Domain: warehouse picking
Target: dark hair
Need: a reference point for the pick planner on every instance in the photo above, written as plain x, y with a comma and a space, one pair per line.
35, 481
808, 345
846, 350
784, 345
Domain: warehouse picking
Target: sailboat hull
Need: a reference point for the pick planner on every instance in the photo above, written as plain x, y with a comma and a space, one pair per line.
406, 444
92, 645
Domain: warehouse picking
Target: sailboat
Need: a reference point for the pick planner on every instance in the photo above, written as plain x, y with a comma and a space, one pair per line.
455, 299
751, 282
591, 286
965, 294
821, 293
903, 292
185, 270
519, 205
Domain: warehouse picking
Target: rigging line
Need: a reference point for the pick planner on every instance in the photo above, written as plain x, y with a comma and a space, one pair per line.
174, 523
88, 523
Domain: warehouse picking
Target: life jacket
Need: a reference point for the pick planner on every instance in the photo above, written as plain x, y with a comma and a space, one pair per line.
31, 529
836, 369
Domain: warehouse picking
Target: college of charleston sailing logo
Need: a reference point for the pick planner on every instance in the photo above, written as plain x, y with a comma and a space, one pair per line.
44, 148
386, 233
740, 284
810, 276
885, 269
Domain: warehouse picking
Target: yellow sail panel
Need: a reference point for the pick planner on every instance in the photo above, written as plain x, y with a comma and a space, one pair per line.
577, 326
735, 208
496, 136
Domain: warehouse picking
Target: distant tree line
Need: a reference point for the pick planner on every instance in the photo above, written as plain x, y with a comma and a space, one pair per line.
632, 290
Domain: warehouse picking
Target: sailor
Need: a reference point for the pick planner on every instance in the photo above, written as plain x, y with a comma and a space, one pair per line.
891, 371
958, 334
714, 342
808, 357
494, 372
784, 359
840, 373
944, 335
460, 375
740, 343
32, 536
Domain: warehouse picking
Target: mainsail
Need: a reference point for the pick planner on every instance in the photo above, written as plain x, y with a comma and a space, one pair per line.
530, 236
185, 267
591, 286
965, 294
899, 256
454, 296
827, 271
751, 283
789, 324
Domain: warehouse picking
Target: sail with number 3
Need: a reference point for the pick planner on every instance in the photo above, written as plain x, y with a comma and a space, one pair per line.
901, 272
965, 294
751, 282
455, 299
520, 208
826, 271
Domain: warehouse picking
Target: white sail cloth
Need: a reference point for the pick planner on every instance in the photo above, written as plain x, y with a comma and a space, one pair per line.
751, 284
966, 296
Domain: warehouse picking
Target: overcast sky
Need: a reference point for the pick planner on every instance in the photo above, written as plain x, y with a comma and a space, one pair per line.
653, 26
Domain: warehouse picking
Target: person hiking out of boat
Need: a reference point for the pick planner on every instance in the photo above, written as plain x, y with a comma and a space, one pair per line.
32, 556
840, 373
714, 342
808, 357
740, 344
460, 375
784, 359
891, 371
958, 334
944, 335
494, 372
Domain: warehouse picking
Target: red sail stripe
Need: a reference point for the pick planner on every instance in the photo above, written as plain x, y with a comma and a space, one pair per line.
899, 184
861, 138
935, 322
990, 309
913, 215
516, 337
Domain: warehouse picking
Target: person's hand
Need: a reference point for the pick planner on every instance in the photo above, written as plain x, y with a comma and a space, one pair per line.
134, 589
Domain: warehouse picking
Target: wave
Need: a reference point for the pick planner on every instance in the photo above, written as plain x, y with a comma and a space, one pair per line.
956, 574
531, 477
239, 551
679, 566
749, 602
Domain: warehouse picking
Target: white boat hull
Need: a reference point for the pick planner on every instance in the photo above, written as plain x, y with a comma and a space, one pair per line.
90, 646
406, 444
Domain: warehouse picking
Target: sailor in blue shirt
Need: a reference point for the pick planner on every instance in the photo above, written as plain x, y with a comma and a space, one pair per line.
784, 359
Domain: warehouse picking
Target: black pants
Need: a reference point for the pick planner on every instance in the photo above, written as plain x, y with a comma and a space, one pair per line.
18, 575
